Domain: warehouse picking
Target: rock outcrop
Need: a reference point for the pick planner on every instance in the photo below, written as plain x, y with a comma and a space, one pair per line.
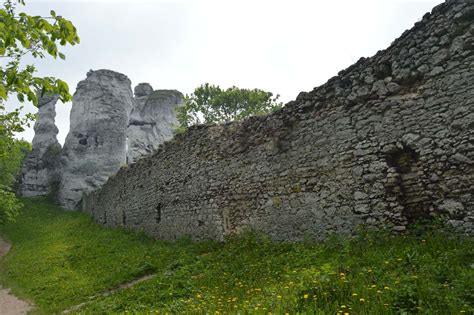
152, 120
95, 147
40, 168
104, 117
386, 142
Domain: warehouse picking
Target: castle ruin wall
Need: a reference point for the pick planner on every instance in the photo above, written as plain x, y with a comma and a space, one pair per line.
386, 142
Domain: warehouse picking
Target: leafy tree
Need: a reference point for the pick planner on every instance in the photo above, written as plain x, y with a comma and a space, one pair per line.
21, 35
211, 104
12, 154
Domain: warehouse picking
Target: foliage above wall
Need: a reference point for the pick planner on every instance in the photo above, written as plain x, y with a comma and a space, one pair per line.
212, 104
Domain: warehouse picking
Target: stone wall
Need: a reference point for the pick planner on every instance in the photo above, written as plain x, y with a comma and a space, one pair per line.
385, 142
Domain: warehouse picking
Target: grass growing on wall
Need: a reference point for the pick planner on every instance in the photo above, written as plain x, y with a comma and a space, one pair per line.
60, 259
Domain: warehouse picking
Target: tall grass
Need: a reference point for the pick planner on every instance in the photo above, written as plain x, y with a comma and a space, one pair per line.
62, 258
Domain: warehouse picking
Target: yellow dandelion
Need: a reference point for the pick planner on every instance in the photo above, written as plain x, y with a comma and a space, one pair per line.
362, 300
354, 294
343, 306
279, 296
305, 296
386, 288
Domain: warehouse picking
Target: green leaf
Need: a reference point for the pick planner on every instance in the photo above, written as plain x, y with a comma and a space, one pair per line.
20, 97
3, 92
32, 97
25, 42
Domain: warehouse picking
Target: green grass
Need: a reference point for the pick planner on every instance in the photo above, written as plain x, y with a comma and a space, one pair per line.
60, 259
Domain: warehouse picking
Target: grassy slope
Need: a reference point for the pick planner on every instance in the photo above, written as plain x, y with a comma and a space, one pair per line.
60, 258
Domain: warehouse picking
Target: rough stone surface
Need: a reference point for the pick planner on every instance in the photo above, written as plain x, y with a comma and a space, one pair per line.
143, 89
95, 147
39, 175
152, 120
356, 150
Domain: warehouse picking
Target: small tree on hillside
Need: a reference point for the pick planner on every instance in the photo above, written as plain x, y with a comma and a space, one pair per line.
211, 104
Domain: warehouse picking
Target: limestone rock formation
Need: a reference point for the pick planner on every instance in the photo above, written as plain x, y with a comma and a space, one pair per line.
143, 89
95, 147
39, 173
152, 120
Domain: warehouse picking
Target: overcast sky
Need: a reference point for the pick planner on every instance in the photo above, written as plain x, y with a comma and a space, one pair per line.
280, 46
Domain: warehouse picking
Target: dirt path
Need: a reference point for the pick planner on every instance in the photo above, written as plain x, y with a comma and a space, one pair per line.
10, 304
